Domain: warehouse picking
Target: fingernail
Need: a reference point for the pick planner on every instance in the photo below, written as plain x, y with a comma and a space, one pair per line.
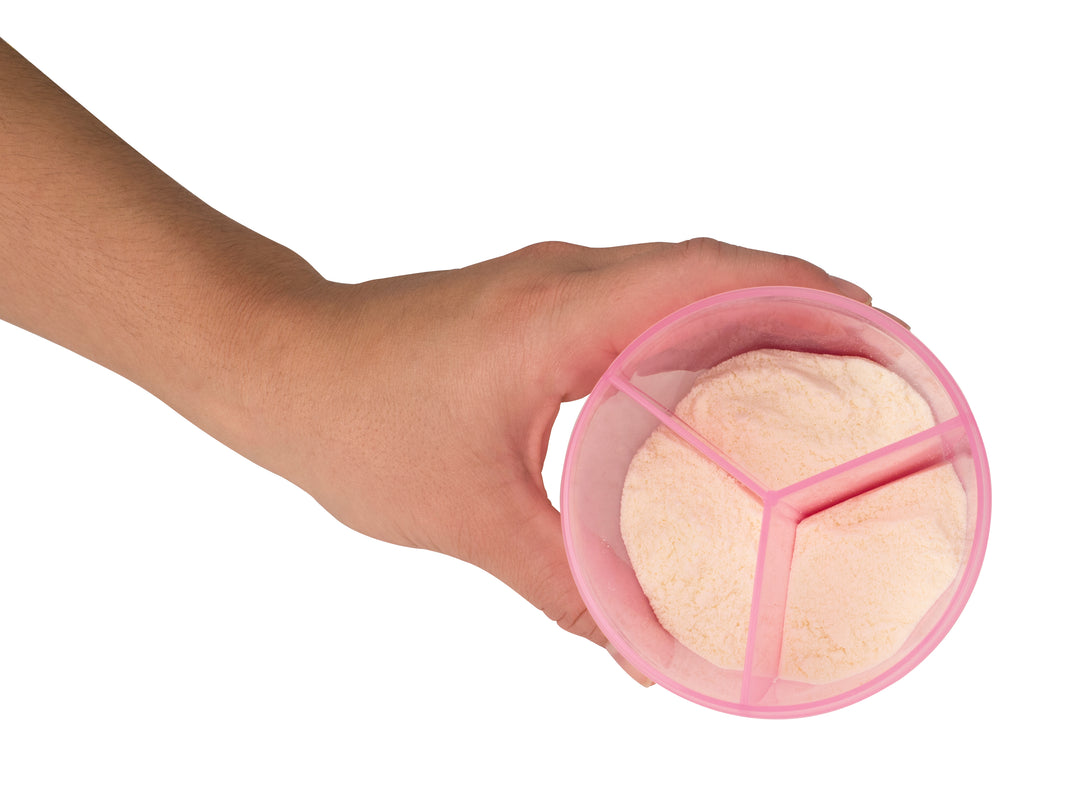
899, 321
632, 671
849, 289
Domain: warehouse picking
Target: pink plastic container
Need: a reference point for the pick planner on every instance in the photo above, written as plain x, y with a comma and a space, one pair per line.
640, 390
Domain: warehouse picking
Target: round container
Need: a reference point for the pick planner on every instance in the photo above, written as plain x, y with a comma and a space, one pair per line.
640, 391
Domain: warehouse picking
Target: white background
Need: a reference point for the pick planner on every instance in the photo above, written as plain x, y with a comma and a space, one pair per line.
181, 629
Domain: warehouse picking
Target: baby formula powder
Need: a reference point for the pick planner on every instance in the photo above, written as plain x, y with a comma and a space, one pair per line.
863, 572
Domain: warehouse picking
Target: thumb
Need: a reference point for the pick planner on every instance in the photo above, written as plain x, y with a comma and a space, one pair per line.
614, 302
541, 574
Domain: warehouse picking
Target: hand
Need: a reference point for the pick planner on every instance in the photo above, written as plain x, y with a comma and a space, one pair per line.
417, 409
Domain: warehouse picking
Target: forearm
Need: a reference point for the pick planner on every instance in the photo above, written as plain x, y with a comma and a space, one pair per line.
104, 254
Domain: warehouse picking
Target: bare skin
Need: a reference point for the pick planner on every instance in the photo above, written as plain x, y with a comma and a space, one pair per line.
416, 409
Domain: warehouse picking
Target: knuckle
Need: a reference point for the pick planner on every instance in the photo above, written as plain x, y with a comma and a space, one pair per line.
702, 249
574, 623
561, 603
551, 249
799, 269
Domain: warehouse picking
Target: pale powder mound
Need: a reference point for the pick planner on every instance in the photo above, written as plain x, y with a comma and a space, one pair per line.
691, 532
863, 572
785, 416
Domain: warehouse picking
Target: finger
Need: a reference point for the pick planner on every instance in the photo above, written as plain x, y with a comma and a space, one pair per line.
535, 566
895, 318
613, 304
568, 256
686, 271
594, 258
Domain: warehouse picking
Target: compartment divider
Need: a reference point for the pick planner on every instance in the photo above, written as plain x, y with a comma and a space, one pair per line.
783, 509
786, 507
769, 601
909, 455
690, 436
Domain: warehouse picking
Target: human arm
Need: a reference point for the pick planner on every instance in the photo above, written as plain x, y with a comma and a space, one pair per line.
416, 409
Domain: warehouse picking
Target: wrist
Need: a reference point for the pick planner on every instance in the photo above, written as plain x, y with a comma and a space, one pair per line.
242, 342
